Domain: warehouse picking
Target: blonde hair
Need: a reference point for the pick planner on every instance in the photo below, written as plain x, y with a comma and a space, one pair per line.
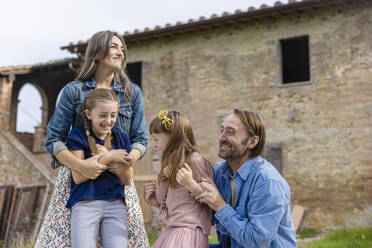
180, 146
98, 47
90, 102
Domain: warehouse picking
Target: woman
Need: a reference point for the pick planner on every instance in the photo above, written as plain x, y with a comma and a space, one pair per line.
104, 65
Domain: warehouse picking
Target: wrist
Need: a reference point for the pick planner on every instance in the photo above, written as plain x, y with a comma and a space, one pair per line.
219, 206
193, 186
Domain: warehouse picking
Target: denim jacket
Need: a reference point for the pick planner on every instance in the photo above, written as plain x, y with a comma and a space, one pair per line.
67, 115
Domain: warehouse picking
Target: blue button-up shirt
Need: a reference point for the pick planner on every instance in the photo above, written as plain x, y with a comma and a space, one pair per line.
261, 214
131, 118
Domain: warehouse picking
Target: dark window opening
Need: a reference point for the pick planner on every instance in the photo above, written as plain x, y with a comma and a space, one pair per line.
295, 59
134, 72
273, 154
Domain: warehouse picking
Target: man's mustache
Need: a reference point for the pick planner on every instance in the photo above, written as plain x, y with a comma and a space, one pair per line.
225, 143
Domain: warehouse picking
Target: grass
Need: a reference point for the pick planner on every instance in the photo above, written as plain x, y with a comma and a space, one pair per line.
307, 233
345, 238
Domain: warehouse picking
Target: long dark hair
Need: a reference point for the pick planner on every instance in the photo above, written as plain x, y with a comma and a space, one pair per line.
98, 47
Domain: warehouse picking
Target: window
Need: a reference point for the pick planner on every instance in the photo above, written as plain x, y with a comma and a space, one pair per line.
295, 59
273, 154
134, 72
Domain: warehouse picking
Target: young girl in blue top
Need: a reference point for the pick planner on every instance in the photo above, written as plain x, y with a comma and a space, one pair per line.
97, 205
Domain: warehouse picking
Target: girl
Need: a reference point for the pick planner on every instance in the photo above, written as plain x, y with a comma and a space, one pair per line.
104, 67
182, 168
97, 206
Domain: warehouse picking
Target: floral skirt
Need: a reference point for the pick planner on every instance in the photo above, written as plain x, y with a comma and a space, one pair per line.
55, 231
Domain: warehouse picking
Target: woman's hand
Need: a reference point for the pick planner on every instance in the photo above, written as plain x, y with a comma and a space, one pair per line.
117, 168
92, 168
149, 193
129, 160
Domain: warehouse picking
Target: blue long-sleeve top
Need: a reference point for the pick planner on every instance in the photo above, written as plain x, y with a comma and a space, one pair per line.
261, 215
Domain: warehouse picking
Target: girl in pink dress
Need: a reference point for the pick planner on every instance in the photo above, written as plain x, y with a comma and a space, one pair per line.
183, 167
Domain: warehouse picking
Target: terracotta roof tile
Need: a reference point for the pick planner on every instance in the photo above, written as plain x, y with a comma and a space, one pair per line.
251, 11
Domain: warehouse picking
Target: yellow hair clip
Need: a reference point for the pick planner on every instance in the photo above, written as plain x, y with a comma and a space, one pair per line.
168, 122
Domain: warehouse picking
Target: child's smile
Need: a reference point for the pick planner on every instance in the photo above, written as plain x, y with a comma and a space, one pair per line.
103, 117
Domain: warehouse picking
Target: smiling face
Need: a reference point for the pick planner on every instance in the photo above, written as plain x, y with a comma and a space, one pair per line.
115, 55
233, 139
161, 140
103, 117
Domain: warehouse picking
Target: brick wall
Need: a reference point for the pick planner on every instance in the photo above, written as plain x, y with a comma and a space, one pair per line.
323, 126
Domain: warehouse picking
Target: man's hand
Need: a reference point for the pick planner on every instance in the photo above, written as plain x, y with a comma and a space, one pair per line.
92, 168
211, 196
149, 193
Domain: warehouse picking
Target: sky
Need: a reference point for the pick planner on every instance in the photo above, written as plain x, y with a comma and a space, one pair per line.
33, 31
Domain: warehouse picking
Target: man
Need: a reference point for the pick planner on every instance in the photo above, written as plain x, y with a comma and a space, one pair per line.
251, 201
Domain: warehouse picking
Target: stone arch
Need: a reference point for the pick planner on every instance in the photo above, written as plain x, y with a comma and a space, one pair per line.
33, 142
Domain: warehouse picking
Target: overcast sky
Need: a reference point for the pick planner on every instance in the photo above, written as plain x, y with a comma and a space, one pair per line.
32, 31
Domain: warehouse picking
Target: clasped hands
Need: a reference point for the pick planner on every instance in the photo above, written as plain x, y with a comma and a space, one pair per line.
116, 161
210, 194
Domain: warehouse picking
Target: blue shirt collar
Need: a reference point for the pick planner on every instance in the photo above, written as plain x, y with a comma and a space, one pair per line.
243, 171
92, 84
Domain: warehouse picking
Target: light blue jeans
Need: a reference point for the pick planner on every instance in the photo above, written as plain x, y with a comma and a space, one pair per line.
105, 217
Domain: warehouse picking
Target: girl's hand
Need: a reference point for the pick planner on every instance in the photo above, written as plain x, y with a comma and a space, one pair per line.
101, 149
149, 193
167, 172
117, 156
184, 178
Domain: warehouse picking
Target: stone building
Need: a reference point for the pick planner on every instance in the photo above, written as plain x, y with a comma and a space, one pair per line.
303, 65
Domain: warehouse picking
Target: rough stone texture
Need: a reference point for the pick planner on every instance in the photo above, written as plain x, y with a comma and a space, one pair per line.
16, 168
323, 126
5, 99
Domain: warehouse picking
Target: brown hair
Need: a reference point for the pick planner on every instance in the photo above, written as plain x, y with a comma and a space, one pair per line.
90, 102
98, 47
254, 126
180, 146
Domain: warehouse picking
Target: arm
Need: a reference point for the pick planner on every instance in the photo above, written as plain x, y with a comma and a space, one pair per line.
59, 126
185, 179
138, 131
76, 176
149, 194
199, 170
126, 176
257, 223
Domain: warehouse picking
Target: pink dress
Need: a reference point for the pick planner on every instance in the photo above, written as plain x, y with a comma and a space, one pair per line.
188, 221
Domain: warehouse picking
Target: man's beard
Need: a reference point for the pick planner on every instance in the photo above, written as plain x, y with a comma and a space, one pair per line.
234, 150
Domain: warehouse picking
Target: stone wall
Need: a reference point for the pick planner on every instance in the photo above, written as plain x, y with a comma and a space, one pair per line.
5, 99
16, 167
323, 125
